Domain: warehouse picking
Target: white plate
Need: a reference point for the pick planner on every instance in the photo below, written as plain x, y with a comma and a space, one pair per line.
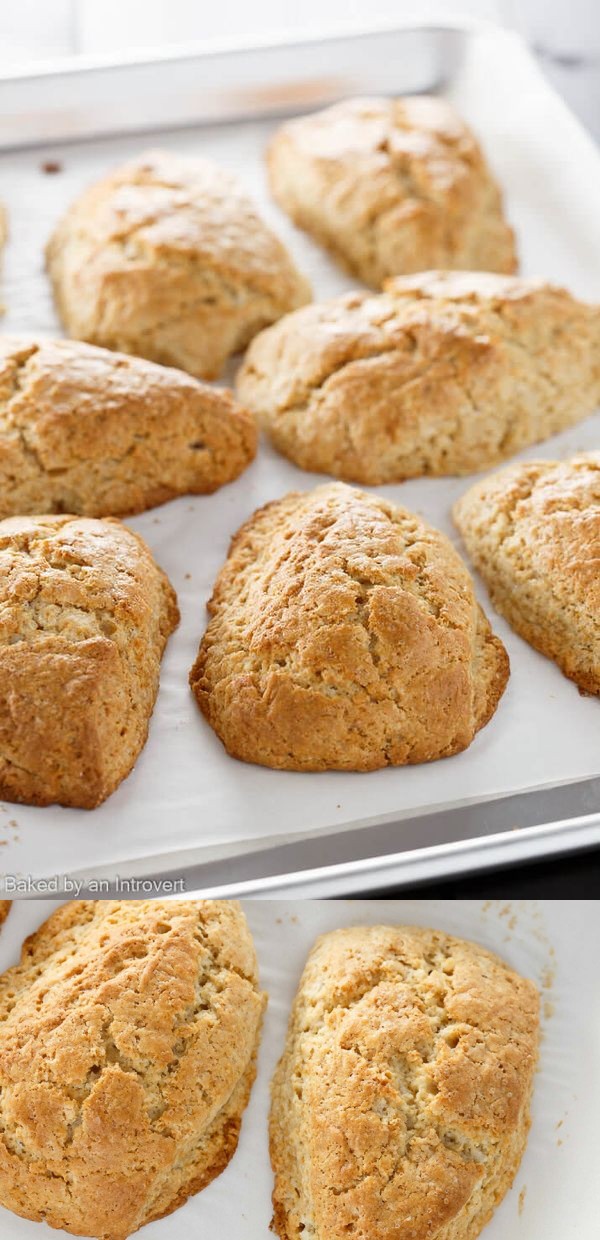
185, 795
555, 1193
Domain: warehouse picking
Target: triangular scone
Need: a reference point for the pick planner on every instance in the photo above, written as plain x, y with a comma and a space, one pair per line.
129, 1038
345, 635
400, 1108
85, 614
533, 532
392, 186
88, 431
168, 258
443, 373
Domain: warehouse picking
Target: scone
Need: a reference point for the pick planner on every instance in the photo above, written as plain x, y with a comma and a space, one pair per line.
392, 186
345, 635
168, 258
85, 614
400, 1107
129, 1036
443, 373
4, 910
533, 532
84, 430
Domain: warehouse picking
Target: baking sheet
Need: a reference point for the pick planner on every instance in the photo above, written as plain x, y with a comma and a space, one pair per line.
185, 793
555, 1195
86, 96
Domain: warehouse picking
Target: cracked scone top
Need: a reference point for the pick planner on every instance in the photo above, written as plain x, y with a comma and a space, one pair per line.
127, 1053
533, 532
84, 430
345, 635
443, 373
85, 614
167, 258
400, 1107
392, 186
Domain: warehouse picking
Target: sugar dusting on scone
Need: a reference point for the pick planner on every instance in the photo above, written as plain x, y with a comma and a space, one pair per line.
443, 373
168, 258
401, 1105
345, 635
129, 1038
88, 431
392, 186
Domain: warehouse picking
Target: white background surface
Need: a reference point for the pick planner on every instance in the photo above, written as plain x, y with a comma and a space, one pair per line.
565, 33
185, 793
555, 943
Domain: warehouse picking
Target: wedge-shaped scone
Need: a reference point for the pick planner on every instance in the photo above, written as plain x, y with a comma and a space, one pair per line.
345, 635
168, 258
392, 186
85, 614
400, 1108
4, 910
533, 532
84, 430
129, 1036
443, 373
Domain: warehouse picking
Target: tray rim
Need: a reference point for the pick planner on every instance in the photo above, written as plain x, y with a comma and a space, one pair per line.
65, 117
406, 871
547, 835
208, 48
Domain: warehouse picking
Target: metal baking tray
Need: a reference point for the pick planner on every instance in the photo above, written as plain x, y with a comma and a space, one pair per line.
530, 783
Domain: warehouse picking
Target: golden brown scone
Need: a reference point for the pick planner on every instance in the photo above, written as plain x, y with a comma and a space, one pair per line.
400, 1108
345, 635
4, 910
87, 431
129, 1037
533, 532
85, 614
443, 373
167, 258
392, 186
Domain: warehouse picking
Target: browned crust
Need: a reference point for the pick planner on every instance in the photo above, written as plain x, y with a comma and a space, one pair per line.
392, 186
5, 906
443, 373
533, 532
85, 616
130, 1032
88, 431
345, 635
224, 1146
401, 1103
167, 258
